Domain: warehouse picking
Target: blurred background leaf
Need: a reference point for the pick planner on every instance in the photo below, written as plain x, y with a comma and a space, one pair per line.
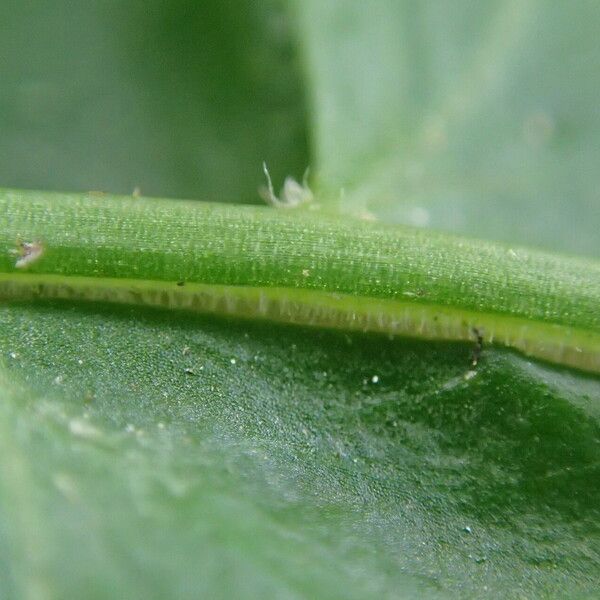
180, 98
476, 117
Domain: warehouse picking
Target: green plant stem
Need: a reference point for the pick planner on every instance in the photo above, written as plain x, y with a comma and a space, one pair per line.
301, 267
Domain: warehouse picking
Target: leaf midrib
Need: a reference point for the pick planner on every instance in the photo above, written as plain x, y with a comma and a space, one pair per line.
298, 259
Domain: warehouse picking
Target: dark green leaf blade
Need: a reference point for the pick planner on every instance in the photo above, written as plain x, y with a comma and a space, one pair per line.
149, 454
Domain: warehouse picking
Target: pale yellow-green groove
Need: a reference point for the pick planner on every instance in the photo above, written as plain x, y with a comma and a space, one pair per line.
300, 268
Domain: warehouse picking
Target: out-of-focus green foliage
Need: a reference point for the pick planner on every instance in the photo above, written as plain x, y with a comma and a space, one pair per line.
477, 117
180, 98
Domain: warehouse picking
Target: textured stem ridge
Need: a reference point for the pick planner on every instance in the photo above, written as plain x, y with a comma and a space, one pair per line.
300, 268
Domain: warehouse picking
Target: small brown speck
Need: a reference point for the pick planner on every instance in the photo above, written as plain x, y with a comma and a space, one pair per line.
478, 348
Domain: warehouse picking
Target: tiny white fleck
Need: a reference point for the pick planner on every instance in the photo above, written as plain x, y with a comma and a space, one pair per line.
13, 355
293, 193
375, 379
129, 428
470, 375
28, 253
305, 272
80, 428
232, 361
468, 529
58, 380
419, 216
160, 425
79, 362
